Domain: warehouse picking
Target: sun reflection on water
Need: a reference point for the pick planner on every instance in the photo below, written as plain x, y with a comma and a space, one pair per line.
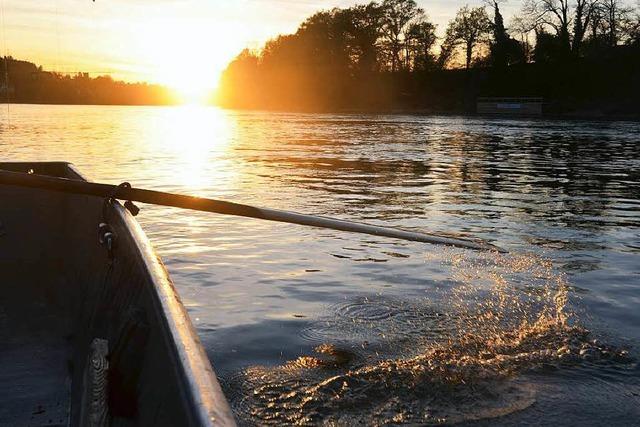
197, 138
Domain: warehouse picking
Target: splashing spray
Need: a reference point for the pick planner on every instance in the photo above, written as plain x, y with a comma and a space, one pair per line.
506, 315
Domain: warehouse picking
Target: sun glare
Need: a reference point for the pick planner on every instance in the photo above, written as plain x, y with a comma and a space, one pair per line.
186, 57
197, 137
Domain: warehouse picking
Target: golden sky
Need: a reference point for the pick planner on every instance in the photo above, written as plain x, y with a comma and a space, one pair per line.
181, 43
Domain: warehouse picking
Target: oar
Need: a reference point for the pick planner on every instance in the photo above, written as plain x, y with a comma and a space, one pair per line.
227, 208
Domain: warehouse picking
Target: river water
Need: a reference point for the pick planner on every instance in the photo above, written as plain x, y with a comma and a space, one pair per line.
312, 326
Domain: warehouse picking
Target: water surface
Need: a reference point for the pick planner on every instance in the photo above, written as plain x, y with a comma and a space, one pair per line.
265, 295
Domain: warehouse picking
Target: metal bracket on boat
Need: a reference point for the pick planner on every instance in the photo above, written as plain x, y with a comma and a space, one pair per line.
129, 205
132, 208
107, 237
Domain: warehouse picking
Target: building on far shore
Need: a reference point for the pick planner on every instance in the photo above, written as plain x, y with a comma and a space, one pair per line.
527, 106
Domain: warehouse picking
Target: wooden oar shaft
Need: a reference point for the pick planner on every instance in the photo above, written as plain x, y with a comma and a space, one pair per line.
226, 208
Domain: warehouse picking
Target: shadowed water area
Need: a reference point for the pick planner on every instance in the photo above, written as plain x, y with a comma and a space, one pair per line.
307, 326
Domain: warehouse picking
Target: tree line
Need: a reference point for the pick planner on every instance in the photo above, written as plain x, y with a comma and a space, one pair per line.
26, 82
381, 53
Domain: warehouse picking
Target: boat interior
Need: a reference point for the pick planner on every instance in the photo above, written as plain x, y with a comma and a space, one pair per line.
86, 338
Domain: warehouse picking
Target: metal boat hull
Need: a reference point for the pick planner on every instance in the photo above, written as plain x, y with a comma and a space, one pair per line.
88, 335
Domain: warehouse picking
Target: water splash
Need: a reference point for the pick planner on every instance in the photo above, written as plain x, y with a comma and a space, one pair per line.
504, 316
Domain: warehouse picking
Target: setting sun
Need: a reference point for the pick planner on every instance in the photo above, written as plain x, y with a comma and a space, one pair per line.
186, 56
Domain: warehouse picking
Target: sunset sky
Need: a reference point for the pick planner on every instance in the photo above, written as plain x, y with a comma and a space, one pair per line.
181, 43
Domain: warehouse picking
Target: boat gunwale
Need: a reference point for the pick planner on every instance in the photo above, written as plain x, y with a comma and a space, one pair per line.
209, 404
198, 370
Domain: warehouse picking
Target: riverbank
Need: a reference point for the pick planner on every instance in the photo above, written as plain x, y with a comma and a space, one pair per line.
586, 115
584, 88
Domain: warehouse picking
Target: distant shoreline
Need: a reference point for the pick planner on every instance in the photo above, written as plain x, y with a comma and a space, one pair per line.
572, 116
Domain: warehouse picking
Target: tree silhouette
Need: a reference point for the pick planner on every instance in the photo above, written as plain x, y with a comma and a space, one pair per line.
365, 30
555, 14
397, 17
469, 29
26, 82
583, 15
381, 56
570, 20
499, 46
504, 49
420, 40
